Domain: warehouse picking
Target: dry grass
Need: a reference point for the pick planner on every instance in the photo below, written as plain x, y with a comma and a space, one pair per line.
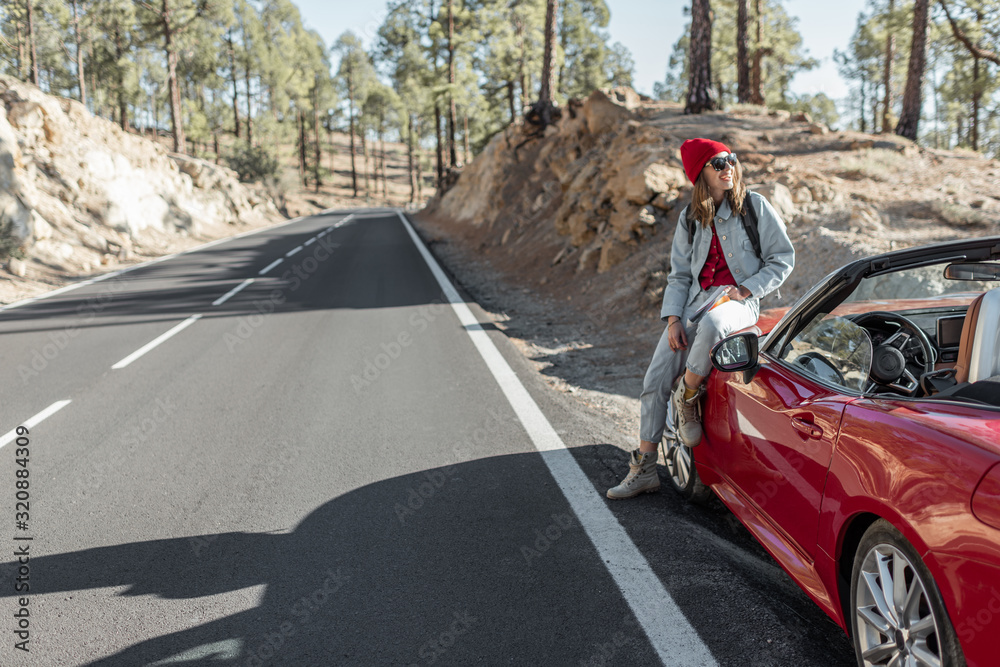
875, 163
959, 215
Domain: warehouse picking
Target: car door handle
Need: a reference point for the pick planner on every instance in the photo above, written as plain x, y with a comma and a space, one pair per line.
802, 426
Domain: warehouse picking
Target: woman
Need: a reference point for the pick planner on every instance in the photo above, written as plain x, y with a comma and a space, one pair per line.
717, 252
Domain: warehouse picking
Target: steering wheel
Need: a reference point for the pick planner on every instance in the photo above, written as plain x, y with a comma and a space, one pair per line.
818, 364
891, 359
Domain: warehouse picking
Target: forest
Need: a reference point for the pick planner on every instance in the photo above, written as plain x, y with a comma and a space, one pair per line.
247, 83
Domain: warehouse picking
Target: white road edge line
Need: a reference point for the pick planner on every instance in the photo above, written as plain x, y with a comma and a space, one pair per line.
156, 341
293, 251
34, 421
673, 638
270, 266
231, 293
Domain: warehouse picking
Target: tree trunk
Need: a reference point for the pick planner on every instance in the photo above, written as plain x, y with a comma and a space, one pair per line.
300, 117
381, 152
246, 78
452, 157
465, 138
176, 118
440, 148
909, 117
743, 93
350, 107
215, 147
549, 58
420, 175
122, 103
700, 96
861, 108
977, 96
875, 107
364, 168
318, 151
32, 50
232, 69
510, 101
937, 107
519, 32
80, 77
411, 172
21, 57
756, 96
890, 56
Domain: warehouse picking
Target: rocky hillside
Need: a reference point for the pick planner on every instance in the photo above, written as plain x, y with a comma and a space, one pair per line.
590, 206
78, 195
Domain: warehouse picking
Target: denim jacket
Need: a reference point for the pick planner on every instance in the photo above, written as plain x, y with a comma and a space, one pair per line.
759, 277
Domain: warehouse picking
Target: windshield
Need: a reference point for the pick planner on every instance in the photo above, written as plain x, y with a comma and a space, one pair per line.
918, 283
833, 349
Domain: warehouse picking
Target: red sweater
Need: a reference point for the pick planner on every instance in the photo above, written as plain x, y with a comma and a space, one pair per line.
716, 270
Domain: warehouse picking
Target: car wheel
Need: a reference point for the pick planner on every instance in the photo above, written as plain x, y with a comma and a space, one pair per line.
897, 615
682, 471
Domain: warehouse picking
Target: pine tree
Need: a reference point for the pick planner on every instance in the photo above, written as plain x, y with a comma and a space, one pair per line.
742, 62
355, 74
700, 96
909, 117
890, 55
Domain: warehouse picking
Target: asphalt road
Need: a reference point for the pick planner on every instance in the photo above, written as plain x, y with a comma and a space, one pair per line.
319, 467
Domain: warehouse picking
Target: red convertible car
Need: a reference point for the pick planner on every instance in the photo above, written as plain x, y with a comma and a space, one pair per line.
857, 436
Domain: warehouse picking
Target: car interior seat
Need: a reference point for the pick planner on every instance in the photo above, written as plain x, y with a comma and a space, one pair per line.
979, 347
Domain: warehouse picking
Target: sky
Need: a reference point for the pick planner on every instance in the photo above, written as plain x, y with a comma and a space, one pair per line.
648, 28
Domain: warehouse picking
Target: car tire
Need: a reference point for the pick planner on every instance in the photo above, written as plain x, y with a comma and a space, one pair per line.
682, 472
882, 631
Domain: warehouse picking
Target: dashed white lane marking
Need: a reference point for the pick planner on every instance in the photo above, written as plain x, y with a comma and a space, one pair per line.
269, 267
231, 293
35, 421
293, 251
673, 638
310, 241
156, 341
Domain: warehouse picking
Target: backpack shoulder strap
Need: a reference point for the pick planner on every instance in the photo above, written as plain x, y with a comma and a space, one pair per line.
750, 224
690, 224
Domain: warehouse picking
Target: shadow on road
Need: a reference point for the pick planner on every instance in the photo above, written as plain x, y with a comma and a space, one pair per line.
370, 262
479, 562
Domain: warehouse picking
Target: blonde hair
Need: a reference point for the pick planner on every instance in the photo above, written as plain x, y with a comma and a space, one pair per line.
702, 205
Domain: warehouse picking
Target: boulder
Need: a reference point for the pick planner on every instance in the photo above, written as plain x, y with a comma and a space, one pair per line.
648, 215
602, 114
865, 219
17, 267
780, 198
665, 202
613, 252
645, 183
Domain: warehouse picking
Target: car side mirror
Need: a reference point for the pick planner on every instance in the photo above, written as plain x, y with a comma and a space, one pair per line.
736, 353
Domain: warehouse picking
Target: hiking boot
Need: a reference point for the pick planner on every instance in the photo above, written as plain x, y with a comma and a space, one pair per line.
688, 413
641, 478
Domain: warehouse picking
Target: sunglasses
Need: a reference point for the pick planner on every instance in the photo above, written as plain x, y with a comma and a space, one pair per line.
719, 163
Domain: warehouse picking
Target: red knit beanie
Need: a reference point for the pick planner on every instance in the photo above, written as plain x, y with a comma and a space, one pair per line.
695, 154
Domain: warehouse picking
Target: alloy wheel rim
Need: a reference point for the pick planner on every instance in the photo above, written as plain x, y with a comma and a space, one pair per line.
679, 462
895, 620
